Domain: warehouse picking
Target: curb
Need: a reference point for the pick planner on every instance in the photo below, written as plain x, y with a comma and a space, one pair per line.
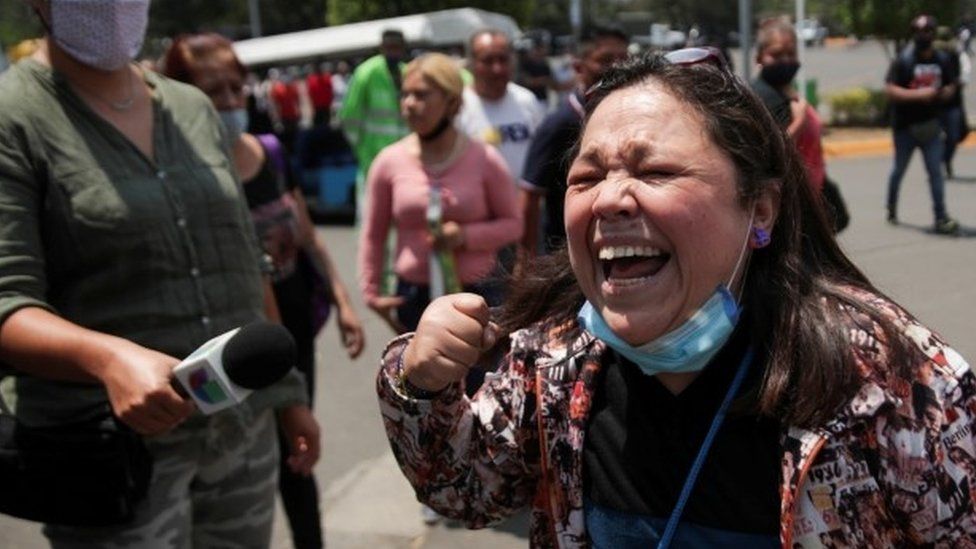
872, 147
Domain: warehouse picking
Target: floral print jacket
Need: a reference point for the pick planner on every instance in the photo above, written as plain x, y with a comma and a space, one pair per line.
895, 467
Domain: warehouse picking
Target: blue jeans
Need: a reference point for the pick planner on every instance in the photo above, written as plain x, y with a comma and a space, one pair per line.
932, 152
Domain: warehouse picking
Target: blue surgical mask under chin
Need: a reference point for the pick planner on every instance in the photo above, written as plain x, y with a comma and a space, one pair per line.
687, 348
235, 122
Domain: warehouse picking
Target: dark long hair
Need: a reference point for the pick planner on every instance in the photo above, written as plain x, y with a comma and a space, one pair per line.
796, 288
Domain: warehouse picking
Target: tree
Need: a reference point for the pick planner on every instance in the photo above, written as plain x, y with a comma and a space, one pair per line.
17, 23
231, 17
890, 20
351, 11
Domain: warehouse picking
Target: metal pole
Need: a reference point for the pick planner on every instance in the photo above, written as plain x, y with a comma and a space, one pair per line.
576, 16
801, 78
745, 37
255, 13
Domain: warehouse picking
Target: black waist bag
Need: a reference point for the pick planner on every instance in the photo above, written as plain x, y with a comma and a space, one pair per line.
87, 473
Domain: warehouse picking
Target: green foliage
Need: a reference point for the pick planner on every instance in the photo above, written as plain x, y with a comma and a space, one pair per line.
17, 22
351, 11
890, 19
231, 17
859, 107
168, 18
885, 19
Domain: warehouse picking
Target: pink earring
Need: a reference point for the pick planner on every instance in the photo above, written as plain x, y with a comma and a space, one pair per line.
760, 238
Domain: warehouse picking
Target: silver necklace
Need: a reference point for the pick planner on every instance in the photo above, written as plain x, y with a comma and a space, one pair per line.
118, 106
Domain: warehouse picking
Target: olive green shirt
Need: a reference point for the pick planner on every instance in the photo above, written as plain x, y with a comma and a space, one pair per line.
158, 251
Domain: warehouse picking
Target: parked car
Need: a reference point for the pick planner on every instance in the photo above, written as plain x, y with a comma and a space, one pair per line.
811, 32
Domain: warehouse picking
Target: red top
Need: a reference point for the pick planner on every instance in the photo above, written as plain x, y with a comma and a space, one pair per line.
285, 97
810, 149
319, 87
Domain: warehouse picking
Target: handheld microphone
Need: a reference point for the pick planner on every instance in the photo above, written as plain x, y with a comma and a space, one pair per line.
229, 367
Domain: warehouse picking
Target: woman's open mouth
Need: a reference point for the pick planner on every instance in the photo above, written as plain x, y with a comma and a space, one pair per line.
630, 264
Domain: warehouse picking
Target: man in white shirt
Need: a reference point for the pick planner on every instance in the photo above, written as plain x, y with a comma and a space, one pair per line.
506, 115
496, 110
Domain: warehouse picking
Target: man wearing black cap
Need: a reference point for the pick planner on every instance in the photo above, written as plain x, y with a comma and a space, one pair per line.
919, 82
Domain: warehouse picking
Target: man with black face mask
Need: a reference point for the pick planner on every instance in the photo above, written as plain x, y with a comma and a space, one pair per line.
776, 56
919, 83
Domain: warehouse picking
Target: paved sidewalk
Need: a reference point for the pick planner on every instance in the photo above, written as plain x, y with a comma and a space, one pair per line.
848, 142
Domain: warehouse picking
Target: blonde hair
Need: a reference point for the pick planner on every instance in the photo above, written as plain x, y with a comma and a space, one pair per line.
24, 48
441, 70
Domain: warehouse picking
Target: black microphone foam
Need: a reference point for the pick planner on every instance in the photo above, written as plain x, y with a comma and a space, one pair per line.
259, 354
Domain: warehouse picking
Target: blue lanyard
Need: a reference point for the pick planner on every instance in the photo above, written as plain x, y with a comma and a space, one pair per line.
679, 508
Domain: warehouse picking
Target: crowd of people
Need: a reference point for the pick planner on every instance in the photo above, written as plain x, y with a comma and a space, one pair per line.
680, 351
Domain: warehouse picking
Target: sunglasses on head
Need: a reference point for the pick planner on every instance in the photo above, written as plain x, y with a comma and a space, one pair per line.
693, 56
685, 57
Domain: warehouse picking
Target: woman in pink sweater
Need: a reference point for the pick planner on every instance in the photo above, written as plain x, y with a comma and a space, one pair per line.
478, 205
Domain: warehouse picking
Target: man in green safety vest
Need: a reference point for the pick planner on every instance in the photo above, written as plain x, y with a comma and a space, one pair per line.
370, 113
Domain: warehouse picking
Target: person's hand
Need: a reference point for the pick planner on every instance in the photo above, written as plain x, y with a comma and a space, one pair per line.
451, 237
302, 433
798, 110
138, 383
385, 306
351, 331
946, 92
452, 334
927, 94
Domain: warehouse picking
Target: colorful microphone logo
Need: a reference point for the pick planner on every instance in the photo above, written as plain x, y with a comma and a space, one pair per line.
206, 389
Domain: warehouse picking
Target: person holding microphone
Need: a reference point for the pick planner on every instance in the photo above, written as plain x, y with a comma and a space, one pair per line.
125, 244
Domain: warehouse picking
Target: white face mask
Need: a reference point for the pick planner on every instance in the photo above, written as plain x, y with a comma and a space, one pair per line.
103, 34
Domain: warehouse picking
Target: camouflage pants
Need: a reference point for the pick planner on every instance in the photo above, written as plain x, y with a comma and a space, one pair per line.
213, 486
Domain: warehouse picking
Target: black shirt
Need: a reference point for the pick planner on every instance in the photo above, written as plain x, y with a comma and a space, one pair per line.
642, 439
776, 103
908, 70
547, 163
268, 197
531, 68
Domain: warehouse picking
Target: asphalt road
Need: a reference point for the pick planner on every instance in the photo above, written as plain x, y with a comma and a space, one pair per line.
366, 502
